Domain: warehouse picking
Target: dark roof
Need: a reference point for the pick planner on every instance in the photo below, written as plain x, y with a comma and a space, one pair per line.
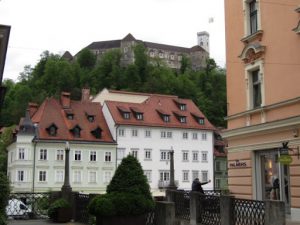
129, 37
67, 55
166, 47
26, 125
105, 44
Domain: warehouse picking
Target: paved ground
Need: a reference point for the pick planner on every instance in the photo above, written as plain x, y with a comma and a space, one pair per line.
38, 222
48, 222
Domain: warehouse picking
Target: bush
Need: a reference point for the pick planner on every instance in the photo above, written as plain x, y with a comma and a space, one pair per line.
57, 204
127, 194
4, 195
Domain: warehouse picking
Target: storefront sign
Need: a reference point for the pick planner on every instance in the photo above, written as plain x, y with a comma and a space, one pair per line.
238, 163
285, 159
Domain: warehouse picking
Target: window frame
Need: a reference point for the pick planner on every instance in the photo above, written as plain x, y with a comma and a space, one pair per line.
77, 155
43, 154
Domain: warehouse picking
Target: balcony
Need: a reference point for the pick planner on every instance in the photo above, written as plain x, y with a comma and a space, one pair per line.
162, 184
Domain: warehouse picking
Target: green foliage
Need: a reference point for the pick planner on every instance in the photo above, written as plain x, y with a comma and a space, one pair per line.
127, 194
57, 204
4, 195
5, 140
52, 74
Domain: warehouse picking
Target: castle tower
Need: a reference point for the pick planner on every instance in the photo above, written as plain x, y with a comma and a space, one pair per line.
203, 40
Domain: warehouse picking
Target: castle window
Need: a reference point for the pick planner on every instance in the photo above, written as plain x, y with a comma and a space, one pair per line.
152, 54
161, 55
172, 57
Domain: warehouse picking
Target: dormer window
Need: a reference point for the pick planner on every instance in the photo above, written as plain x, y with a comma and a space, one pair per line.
165, 116
126, 115
124, 112
138, 114
76, 131
201, 121
90, 118
182, 107
52, 130
182, 119
70, 116
97, 133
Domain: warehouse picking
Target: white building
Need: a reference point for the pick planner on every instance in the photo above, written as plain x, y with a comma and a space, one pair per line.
149, 129
36, 160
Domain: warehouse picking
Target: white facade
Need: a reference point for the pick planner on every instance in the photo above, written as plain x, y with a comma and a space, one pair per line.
193, 152
203, 40
39, 166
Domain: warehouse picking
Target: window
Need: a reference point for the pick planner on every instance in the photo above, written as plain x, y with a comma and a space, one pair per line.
107, 157
166, 118
91, 118
185, 176
185, 156
20, 176
107, 177
42, 176
185, 135
59, 176
148, 155
148, 133
52, 130
77, 176
126, 115
182, 119
92, 177
204, 136
134, 152
169, 134
195, 155
120, 153
163, 134
161, 55
182, 107
21, 153
139, 116
76, 131
164, 175
70, 116
204, 156
204, 175
195, 136
134, 133
201, 121
179, 57
121, 132
256, 89
253, 16
148, 174
164, 155
93, 155
59, 154
195, 174
43, 154
77, 156
151, 54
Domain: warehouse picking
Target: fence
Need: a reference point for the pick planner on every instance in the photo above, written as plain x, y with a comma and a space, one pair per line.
217, 209
32, 205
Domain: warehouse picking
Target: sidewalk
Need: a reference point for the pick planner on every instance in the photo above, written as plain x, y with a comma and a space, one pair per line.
39, 222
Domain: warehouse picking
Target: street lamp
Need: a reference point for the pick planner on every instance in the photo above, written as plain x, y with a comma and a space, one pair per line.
66, 188
172, 180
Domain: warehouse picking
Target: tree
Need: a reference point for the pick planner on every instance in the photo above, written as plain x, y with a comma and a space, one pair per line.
86, 59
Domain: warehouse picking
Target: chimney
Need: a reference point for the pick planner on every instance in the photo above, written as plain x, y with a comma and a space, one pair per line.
65, 99
32, 108
85, 94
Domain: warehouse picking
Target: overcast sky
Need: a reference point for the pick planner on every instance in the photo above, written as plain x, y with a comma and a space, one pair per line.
60, 25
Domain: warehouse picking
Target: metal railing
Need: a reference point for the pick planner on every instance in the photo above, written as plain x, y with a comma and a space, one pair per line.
209, 209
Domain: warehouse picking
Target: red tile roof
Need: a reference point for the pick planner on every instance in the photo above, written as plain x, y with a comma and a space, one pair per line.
52, 112
156, 105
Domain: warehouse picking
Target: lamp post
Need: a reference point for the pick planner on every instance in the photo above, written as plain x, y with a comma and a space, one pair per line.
172, 180
66, 188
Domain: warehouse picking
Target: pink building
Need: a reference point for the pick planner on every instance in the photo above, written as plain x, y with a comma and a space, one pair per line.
263, 64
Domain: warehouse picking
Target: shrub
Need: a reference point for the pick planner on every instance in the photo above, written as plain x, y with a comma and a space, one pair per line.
57, 204
4, 195
127, 194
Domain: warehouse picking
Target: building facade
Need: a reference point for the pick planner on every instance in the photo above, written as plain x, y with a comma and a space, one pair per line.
263, 51
170, 55
149, 128
36, 160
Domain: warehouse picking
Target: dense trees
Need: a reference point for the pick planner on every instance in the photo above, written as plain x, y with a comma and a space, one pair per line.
52, 74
